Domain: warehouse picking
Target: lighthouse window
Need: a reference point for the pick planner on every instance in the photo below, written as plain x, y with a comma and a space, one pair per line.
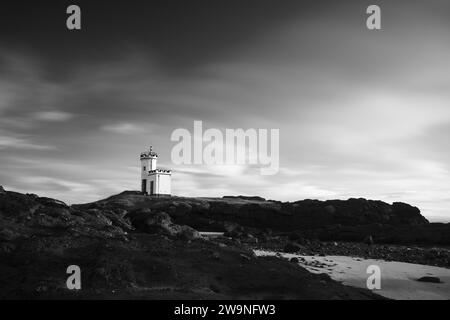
145, 168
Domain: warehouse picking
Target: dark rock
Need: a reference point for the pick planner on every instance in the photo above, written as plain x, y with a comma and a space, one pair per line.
2, 191
292, 247
294, 260
188, 233
430, 279
153, 222
405, 214
252, 198
51, 202
160, 222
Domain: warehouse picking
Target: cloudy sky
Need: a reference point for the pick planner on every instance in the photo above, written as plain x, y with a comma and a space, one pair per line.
361, 113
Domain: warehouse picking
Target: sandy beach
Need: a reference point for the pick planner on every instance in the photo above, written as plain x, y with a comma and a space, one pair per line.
398, 279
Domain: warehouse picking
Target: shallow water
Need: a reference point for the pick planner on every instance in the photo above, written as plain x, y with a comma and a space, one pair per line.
398, 279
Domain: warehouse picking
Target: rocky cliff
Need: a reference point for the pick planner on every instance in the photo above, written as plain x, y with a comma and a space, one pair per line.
349, 220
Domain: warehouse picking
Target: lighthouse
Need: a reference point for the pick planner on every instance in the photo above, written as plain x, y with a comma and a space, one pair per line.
154, 181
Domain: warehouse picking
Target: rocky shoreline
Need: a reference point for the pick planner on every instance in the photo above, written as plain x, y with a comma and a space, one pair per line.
137, 247
433, 256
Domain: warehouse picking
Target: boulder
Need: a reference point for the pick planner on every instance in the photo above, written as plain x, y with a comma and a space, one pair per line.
187, 233
430, 279
150, 221
160, 222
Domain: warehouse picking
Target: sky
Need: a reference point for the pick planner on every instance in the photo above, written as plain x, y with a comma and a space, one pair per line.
361, 113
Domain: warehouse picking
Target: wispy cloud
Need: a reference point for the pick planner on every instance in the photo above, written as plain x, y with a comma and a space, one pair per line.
125, 128
53, 116
21, 143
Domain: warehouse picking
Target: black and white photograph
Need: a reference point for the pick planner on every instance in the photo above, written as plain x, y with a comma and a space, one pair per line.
247, 152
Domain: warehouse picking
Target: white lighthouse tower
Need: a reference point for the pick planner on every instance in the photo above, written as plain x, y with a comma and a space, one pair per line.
154, 181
